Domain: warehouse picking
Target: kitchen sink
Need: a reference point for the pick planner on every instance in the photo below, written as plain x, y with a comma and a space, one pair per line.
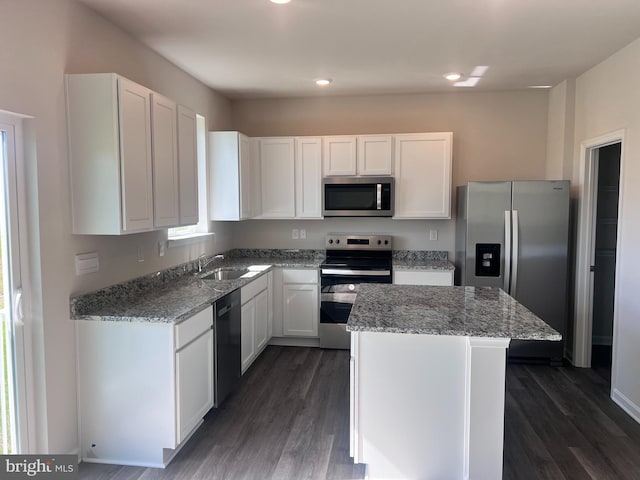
226, 273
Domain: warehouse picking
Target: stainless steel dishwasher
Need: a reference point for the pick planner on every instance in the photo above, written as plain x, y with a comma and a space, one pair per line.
226, 329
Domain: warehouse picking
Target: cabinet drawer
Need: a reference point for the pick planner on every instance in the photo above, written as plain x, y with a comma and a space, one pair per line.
193, 327
300, 275
252, 289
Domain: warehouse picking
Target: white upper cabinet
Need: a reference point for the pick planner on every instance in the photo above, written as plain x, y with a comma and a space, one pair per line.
308, 177
166, 209
358, 155
230, 165
339, 156
375, 155
188, 166
110, 154
423, 175
277, 173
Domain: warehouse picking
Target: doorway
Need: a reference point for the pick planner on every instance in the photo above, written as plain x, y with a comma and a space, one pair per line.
597, 240
604, 256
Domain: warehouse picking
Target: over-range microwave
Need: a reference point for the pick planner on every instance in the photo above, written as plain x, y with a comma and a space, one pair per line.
357, 196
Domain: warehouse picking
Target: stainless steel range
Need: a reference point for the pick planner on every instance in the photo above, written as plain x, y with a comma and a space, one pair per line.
350, 261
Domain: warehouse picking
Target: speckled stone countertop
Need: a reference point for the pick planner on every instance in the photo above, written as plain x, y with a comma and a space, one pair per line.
455, 311
178, 293
424, 260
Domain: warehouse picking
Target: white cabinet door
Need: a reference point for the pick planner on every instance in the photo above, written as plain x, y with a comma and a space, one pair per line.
300, 310
246, 209
248, 334
418, 277
194, 383
277, 177
423, 175
166, 210
308, 178
339, 155
262, 321
188, 166
134, 113
375, 155
230, 173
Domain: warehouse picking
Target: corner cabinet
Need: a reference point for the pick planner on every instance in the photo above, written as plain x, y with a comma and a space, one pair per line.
109, 126
230, 175
143, 388
423, 175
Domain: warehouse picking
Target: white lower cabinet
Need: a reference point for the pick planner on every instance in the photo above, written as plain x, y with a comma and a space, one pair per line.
194, 380
254, 330
300, 307
423, 277
143, 388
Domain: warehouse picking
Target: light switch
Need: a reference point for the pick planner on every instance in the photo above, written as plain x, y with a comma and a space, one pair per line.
140, 253
303, 234
87, 263
433, 234
295, 233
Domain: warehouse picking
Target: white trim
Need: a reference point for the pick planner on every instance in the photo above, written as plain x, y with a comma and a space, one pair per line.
25, 379
189, 239
626, 404
587, 193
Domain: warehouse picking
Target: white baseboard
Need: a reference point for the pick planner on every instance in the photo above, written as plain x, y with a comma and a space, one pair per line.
295, 342
626, 404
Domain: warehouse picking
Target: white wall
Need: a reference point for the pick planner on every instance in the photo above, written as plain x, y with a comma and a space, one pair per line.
43, 40
496, 136
607, 99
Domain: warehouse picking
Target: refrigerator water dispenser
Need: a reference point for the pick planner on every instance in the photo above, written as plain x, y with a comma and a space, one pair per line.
487, 259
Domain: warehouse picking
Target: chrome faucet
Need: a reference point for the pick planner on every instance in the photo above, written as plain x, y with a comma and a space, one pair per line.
202, 264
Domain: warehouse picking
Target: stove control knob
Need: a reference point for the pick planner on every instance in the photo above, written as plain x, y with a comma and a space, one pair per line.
379, 242
338, 240
330, 241
352, 287
386, 242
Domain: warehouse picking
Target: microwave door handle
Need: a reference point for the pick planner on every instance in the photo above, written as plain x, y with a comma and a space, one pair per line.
379, 196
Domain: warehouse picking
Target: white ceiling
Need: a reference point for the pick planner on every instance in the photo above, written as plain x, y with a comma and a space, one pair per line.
256, 49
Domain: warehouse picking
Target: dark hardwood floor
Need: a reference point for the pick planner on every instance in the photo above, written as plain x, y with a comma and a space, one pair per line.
289, 420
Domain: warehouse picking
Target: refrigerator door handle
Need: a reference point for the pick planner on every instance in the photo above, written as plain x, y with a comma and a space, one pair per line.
507, 251
515, 253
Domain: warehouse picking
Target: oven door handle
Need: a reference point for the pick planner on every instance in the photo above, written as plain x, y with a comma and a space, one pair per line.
353, 273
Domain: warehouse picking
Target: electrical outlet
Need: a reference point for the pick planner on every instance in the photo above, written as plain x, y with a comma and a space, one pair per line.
433, 234
162, 247
295, 233
140, 253
303, 234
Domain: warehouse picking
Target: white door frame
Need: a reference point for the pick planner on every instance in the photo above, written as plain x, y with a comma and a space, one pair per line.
25, 408
585, 245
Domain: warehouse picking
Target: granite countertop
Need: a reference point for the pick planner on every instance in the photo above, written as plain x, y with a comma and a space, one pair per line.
178, 293
455, 311
421, 260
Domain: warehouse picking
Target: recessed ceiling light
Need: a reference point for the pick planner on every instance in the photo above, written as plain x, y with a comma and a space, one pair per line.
452, 76
280, 2
323, 82
540, 86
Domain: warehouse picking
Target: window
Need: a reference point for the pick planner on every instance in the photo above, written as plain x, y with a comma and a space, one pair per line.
202, 227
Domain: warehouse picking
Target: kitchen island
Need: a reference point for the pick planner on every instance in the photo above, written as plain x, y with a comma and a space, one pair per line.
428, 378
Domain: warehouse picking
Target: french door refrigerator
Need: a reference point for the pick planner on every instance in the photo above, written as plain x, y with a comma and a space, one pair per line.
515, 235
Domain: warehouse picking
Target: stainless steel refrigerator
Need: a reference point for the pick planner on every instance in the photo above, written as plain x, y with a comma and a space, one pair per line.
515, 235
